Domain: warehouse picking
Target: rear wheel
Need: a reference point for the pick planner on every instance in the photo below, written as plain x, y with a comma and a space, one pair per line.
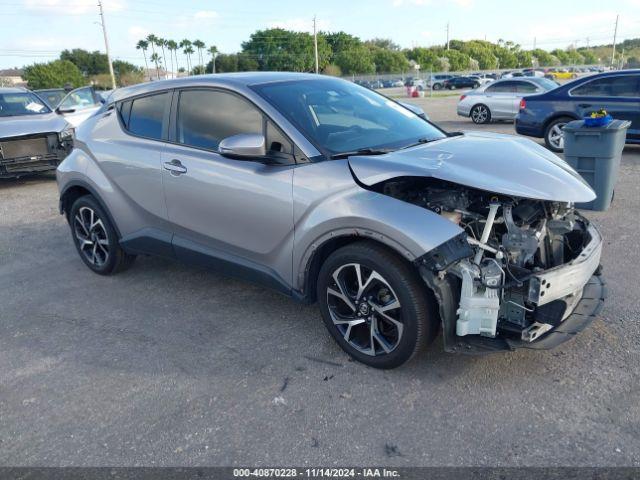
437, 86
554, 135
95, 238
375, 305
480, 114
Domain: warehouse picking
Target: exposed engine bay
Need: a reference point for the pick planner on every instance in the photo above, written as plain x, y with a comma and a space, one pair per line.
520, 266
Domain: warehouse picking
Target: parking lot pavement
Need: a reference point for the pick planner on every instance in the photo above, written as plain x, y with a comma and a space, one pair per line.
170, 365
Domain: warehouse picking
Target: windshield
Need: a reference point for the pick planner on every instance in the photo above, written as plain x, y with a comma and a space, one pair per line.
21, 103
53, 97
340, 116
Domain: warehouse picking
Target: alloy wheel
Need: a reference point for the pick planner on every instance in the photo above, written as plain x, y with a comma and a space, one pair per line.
556, 136
92, 236
479, 114
365, 309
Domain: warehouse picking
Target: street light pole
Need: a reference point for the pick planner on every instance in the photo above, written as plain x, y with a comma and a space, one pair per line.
315, 42
615, 34
106, 45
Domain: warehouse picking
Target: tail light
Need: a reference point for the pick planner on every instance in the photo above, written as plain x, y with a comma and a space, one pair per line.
523, 104
462, 97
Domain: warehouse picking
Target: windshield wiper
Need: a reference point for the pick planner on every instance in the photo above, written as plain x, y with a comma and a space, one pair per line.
420, 141
362, 151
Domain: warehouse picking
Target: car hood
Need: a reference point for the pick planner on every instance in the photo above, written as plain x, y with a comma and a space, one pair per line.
22, 125
496, 163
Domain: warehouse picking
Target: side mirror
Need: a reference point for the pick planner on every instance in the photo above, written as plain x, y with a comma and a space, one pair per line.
243, 145
62, 111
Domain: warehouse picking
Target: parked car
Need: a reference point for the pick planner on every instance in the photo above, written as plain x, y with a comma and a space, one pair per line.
33, 138
532, 72
561, 74
618, 92
437, 82
400, 229
500, 100
76, 105
461, 82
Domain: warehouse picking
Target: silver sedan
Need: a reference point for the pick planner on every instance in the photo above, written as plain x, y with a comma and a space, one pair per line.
500, 100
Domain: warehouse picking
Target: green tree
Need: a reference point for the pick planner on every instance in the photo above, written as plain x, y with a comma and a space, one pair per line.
383, 43
172, 46
427, 58
54, 74
277, 49
89, 63
199, 44
160, 42
157, 60
225, 63
356, 60
458, 61
482, 52
152, 39
389, 61
187, 50
213, 51
143, 45
543, 57
340, 41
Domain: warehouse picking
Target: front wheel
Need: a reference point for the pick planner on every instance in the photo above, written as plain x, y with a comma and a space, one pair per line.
95, 238
375, 305
554, 134
437, 86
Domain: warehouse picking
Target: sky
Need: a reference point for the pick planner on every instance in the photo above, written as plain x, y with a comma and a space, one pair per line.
37, 30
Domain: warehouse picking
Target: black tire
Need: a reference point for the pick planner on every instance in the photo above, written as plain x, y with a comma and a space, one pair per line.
480, 114
476, 85
101, 251
551, 134
415, 312
437, 86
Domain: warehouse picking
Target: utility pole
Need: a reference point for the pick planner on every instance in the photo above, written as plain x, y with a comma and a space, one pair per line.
615, 34
315, 42
534, 42
447, 35
106, 45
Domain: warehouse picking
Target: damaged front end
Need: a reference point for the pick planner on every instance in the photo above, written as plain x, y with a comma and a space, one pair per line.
524, 272
34, 153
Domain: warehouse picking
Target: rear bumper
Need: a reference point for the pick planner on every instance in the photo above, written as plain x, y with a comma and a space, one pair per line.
464, 110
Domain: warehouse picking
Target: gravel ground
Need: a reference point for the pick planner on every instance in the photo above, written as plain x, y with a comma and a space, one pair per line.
170, 365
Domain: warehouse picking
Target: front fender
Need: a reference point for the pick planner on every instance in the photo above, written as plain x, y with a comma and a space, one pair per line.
410, 230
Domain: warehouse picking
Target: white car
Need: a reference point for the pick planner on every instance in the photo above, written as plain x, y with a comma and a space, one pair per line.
500, 100
75, 106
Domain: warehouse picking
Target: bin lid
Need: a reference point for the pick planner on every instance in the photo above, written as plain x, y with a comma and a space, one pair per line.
613, 125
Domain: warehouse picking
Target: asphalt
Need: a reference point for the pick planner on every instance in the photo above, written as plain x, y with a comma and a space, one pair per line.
170, 365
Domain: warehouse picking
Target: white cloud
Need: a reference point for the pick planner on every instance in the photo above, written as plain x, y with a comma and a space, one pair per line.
137, 32
76, 7
400, 3
205, 15
300, 24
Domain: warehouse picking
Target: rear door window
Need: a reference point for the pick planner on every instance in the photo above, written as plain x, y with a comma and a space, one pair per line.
617, 86
526, 87
502, 87
143, 116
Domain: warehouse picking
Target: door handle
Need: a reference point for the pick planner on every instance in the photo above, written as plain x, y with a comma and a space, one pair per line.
175, 167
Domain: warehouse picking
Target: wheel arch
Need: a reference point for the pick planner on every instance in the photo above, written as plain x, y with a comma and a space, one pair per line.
556, 116
76, 189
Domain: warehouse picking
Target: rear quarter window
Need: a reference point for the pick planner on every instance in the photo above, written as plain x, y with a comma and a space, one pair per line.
144, 116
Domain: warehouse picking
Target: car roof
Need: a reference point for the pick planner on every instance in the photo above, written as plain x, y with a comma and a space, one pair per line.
579, 81
237, 79
12, 90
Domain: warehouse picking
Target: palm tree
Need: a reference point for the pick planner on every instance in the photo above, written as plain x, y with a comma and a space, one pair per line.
172, 47
157, 59
143, 45
152, 39
187, 50
213, 51
160, 42
199, 44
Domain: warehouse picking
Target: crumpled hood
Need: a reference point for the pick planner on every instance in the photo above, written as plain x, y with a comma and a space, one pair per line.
496, 163
31, 124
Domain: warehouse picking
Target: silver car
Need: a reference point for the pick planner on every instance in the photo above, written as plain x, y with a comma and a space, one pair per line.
331, 193
33, 138
500, 100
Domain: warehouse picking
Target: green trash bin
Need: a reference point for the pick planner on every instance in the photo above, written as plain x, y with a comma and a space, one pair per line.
595, 153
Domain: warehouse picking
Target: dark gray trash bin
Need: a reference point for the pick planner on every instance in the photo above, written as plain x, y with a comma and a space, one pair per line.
595, 152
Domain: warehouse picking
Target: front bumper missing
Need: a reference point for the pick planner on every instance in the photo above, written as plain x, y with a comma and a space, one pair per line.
564, 280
